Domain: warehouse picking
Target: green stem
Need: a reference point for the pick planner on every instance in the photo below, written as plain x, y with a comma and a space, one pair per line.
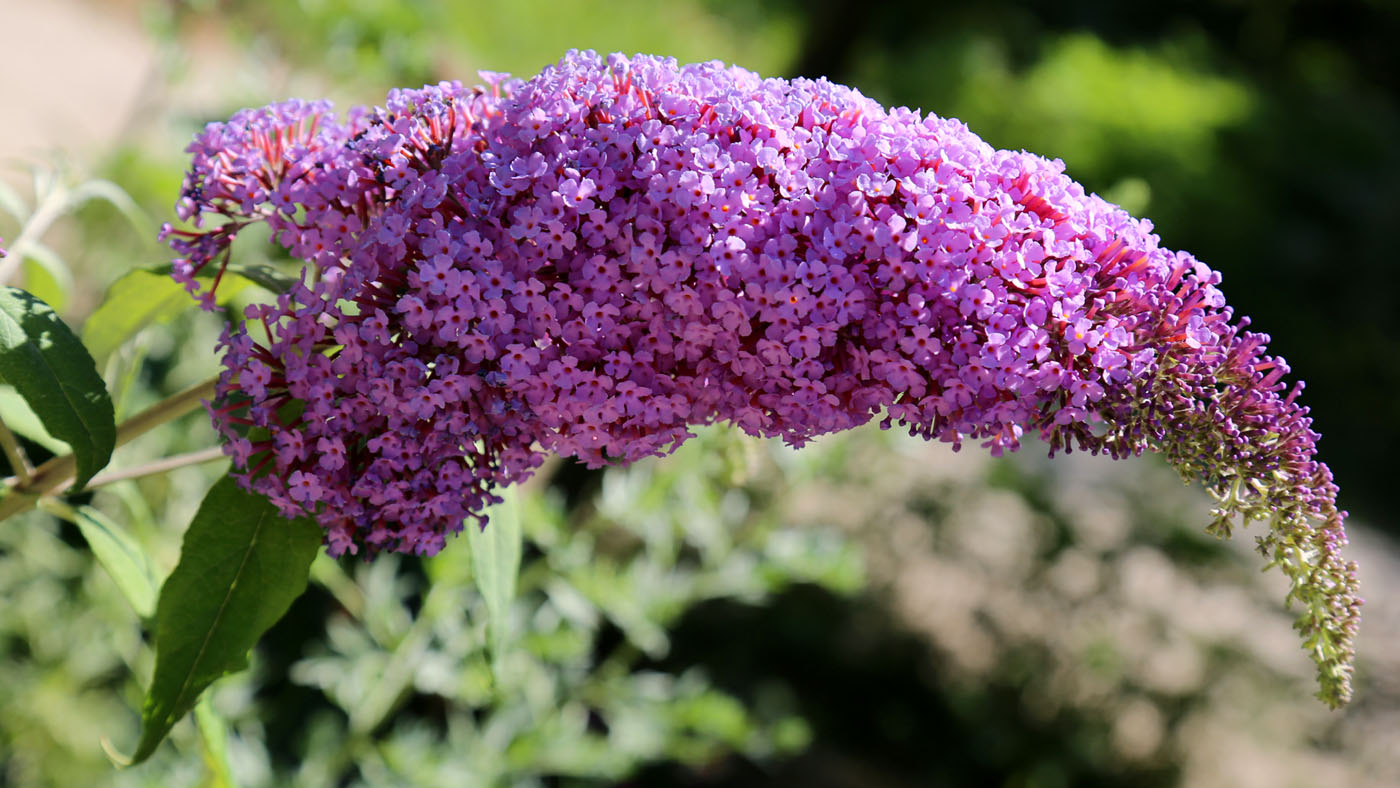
50, 476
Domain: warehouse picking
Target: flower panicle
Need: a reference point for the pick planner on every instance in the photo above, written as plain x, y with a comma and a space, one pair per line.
278, 165
596, 260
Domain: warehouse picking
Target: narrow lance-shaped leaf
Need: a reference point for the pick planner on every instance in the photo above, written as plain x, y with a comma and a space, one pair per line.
121, 556
241, 566
496, 563
213, 738
42, 358
117, 551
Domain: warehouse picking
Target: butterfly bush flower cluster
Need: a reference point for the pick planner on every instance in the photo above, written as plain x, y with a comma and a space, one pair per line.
598, 259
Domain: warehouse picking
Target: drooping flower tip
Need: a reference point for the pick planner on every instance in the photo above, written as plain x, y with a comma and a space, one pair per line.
593, 261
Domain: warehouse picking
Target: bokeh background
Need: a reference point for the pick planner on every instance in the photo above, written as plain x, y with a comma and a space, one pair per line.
870, 611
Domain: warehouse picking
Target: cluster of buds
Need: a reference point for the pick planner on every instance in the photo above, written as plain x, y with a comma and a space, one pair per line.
596, 260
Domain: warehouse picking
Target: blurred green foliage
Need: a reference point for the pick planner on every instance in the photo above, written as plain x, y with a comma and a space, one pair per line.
1082, 101
366, 47
390, 681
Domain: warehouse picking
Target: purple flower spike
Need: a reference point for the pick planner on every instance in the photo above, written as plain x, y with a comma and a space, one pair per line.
594, 261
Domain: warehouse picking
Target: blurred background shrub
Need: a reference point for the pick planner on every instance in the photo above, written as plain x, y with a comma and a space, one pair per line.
870, 611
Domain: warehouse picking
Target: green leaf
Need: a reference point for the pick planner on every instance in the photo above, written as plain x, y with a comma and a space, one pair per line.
138, 299
51, 369
46, 275
116, 550
241, 566
213, 745
496, 564
21, 420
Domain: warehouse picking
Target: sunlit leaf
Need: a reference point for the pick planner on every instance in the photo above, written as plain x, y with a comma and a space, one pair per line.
138, 299
21, 420
46, 275
50, 368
